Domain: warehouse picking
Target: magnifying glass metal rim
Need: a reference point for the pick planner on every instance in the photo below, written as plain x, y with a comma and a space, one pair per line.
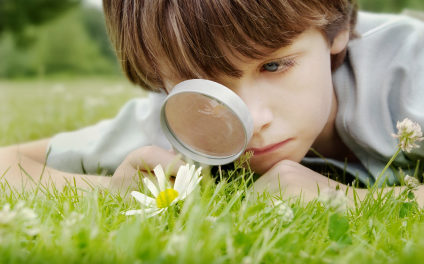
220, 93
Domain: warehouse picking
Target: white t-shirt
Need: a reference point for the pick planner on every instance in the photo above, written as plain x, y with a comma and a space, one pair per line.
381, 82
106, 144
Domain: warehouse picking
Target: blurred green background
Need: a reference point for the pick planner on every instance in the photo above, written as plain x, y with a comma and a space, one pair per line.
44, 38
41, 38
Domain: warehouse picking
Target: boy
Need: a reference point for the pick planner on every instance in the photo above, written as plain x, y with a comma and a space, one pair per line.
281, 58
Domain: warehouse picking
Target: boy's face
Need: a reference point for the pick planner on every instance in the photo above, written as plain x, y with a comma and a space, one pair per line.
289, 95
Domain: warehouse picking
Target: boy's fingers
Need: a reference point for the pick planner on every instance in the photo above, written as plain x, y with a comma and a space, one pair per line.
172, 151
146, 158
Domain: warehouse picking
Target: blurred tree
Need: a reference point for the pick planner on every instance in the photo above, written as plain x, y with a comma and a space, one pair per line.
70, 45
15, 15
94, 23
390, 5
71, 50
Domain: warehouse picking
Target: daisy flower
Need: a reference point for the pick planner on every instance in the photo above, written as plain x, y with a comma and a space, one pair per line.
166, 195
408, 134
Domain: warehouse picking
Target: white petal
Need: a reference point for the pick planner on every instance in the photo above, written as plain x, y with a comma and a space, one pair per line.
148, 212
191, 172
160, 175
143, 199
193, 185
155, 213
134, 212
151, 186
194, 177
190, 188
180, 180
190, 176
197, 174
175, 200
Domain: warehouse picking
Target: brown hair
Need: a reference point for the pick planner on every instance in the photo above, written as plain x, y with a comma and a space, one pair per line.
191, 37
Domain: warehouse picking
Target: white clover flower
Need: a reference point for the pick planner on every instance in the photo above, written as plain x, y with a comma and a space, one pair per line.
20, 218
333, 199
164, 195
411, 182
59, 88
284, 211
408, 134
73, 219
92, 102
176, 243
211, 219
6, 215
247, 260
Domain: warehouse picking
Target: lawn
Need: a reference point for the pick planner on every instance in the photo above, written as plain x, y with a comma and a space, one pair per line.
32, 109
218, 223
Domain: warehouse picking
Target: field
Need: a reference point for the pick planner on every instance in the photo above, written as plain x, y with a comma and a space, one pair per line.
218, 223
32, 109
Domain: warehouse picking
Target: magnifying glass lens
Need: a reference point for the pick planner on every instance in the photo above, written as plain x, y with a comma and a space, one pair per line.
204, 124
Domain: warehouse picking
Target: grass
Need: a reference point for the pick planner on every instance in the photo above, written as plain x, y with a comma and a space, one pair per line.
33, 109
218, 223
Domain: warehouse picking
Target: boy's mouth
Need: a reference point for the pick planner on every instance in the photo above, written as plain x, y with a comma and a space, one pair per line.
268, 148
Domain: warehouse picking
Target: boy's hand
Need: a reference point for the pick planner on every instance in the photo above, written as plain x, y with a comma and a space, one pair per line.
142, 161
419, 195
292, 179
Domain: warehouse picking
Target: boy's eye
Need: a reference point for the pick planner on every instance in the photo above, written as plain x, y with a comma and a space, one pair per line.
271, 67
277, 66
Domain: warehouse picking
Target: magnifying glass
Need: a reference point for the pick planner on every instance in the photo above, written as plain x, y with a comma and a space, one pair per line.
206, 122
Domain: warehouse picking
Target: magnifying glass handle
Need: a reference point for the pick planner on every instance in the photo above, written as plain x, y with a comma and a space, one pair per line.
188, 160
206, 169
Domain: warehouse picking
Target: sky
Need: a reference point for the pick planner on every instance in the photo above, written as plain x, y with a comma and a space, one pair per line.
97, 3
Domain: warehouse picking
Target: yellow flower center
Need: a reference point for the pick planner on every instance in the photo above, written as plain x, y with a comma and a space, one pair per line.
166, 197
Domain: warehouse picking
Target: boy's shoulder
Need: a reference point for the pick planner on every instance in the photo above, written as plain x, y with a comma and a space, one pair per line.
386, 39
372, 24
380, 83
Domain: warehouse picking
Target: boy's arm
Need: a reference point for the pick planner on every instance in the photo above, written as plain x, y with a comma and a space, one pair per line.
22, 167
294, 179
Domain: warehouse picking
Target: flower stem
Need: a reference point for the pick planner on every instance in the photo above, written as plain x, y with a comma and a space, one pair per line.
171, 217
388, 164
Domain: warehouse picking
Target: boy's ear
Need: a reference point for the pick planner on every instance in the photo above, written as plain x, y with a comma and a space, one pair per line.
340, 41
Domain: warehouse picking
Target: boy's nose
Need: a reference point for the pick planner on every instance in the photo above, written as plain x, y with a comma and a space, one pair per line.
260, 111
253, 97
262, 117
